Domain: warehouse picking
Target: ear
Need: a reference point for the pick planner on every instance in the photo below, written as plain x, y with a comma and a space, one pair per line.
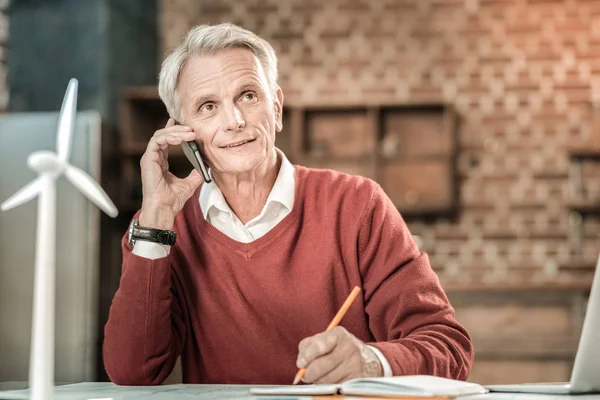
278, 104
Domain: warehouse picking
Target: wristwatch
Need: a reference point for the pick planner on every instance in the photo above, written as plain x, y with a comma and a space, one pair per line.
137, 232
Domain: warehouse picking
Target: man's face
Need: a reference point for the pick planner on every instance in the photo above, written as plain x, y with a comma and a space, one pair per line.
226, 100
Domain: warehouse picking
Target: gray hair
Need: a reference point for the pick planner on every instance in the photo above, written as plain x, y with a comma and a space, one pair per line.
211, 39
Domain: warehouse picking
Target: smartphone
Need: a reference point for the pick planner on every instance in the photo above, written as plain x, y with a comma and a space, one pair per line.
192, 152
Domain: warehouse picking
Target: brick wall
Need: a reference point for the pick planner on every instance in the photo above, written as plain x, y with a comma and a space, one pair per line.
3, 53
523, 76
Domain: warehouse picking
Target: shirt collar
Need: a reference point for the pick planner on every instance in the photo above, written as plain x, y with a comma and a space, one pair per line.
283, 190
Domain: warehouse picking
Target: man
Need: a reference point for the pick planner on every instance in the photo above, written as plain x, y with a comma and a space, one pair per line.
266, 253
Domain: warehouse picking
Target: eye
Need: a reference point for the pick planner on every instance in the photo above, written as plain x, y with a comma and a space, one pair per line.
207, 107
248, 96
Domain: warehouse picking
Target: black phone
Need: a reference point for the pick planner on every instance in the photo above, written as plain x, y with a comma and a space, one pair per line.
192, 152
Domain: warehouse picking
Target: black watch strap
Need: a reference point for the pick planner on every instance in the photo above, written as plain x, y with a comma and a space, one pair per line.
137, 232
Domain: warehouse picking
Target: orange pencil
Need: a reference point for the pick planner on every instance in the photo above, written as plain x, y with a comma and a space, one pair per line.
336, 320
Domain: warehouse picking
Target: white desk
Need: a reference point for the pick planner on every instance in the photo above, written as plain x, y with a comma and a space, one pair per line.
103, 390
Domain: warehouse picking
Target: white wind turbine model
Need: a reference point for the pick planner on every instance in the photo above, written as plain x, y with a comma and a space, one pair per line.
49, 166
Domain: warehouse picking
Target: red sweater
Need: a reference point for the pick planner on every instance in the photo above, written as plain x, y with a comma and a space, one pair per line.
235, 312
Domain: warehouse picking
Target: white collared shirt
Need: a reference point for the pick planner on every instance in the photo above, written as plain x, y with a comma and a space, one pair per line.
278, 205
217, 212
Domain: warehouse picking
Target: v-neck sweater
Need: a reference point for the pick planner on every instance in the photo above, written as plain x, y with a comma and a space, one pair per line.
235, 312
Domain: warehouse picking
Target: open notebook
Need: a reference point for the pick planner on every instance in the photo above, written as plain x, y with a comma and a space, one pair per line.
410, 385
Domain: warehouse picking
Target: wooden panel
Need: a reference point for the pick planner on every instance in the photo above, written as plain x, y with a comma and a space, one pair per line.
141, 115
521, 334
416, 133
590, 169
130, 196
525, 347
419, 186
283, 139
339, 133
512, 319
520, 371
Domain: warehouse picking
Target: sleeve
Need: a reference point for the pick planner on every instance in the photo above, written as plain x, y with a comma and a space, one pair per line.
387, 368
145, 331
411, 319
151, 250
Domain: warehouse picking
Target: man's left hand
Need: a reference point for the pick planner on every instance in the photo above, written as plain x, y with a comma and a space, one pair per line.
336, 356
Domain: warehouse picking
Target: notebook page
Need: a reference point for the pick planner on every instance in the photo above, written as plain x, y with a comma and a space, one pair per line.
413, 385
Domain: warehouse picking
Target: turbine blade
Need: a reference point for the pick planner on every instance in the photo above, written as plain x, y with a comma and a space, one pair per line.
23, 195
91, 189
66, 121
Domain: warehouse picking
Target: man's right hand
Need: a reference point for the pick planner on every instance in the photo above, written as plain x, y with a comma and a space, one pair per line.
164, 194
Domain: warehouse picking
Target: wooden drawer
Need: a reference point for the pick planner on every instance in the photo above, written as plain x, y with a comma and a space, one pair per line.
419, 186
339, 133
417, 133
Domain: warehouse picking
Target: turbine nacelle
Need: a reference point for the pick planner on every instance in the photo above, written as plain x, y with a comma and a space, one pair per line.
45, 161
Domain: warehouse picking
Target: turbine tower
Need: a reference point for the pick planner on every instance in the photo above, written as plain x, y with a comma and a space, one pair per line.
50, 166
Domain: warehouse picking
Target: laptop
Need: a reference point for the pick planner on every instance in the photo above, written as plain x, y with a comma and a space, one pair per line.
585, 377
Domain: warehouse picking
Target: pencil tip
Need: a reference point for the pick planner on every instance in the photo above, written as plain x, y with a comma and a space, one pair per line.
296, 380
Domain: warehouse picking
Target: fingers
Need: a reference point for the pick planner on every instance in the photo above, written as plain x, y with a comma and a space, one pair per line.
157, 150
166, 140
170, 135
193, 180
332, 357
316, 346
329, 368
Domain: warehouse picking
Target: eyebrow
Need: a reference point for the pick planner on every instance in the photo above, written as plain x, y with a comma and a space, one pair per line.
211, 97
248, 86
203, 99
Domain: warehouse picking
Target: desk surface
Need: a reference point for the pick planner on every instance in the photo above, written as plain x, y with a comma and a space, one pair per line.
105, 391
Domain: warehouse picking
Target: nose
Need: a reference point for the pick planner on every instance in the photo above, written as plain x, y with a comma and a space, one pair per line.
233, 120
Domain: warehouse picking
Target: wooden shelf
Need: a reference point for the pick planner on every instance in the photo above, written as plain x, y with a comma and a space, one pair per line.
585, 166
141, 92
589, 153
586, 208
141, 113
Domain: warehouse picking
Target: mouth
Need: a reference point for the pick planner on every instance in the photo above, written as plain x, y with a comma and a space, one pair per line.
238, 144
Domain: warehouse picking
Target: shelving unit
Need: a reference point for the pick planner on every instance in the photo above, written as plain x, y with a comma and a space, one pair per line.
410, 149
585, 168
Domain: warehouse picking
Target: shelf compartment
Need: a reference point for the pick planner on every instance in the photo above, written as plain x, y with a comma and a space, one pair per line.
416, 132
421, 186
341, 133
